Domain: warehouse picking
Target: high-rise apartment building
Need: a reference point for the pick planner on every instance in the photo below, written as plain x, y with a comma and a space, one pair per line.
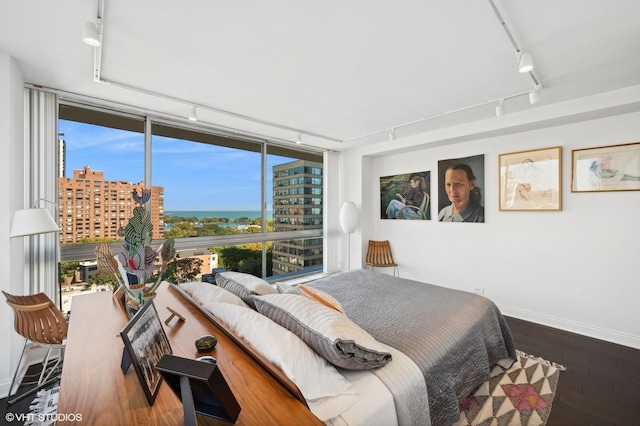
91, 207
297, 205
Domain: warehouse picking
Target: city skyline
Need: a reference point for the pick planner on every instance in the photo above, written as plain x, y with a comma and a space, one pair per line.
195, 176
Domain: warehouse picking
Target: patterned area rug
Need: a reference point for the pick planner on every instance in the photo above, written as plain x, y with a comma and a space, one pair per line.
521, 395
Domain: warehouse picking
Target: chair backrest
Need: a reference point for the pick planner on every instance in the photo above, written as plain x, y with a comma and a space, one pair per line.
424, 206
379, 254
38, 319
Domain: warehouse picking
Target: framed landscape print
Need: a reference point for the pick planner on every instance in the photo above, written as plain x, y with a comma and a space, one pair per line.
145, 342
606, 168
406, 196
531, 180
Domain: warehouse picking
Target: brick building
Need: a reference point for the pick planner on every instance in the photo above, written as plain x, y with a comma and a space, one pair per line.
91, 207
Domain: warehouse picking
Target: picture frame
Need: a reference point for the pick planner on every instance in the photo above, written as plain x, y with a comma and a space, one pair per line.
145, 342
406, 196
120, 299
468, 171
606, 168
531, 180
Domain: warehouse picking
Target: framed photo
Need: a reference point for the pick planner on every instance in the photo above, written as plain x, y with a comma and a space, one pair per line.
405, 196
145, 342
120, 299
606, 168
461, 189
531, 180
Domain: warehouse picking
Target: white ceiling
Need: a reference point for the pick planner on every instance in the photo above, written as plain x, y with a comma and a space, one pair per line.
346, 70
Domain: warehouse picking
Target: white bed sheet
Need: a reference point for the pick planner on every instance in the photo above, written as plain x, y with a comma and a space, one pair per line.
375, 406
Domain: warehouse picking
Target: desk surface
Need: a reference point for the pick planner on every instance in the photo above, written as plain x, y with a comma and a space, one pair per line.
94, 386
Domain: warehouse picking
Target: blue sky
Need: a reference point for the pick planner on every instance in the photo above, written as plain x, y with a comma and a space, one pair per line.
195, 176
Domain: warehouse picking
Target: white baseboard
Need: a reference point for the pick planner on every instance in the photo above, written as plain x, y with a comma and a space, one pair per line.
573, 327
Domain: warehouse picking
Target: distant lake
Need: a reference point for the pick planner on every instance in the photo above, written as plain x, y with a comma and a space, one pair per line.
229, 214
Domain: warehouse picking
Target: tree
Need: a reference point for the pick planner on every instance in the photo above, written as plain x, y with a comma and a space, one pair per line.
183, 270
246, 258
103, 277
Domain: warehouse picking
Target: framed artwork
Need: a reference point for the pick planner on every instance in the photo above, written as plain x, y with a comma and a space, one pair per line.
461, 189
406, 196
606, 168
145, 342
120, 299
531, 180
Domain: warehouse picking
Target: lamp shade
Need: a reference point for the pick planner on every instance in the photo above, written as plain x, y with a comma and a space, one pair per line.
349, 217
90, 34
31, 222
525, 62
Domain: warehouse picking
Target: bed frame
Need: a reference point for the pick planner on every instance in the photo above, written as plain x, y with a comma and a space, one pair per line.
258, 357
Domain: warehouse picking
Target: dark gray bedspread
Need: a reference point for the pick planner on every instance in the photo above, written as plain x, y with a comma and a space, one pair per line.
455, 337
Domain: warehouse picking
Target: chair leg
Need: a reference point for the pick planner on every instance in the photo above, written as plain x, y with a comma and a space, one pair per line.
47, 370
15, 375
46, 377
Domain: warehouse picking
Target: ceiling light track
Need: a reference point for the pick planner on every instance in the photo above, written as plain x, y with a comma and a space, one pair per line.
392, 130
88, 102
521, 57
97, 77
202, 107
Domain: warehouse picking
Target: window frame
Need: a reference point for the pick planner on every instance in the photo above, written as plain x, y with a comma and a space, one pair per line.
130, 119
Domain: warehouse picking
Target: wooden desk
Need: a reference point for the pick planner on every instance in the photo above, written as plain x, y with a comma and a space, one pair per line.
94, 386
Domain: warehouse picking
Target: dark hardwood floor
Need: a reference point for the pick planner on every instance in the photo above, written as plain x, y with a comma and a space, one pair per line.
601, 385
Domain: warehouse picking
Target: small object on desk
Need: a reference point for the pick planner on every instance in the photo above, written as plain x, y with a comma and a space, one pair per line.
173, 314
206, 343
207, 358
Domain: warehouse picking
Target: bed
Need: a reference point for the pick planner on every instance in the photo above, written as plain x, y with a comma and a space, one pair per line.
361, 347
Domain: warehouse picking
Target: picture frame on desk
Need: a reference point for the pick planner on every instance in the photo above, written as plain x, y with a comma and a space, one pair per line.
145, 342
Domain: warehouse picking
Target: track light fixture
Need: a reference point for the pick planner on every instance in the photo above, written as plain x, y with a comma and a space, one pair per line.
91, 35
193, 116
299, 140
525, 62
500, 108
534, 96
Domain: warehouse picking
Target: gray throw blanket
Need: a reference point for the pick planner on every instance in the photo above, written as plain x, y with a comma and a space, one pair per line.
453, 336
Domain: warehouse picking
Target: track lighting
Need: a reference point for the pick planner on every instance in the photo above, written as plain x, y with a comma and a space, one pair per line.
91, 35
193, 116
392, 134
525, 62
534, 96
299, 140
500, 108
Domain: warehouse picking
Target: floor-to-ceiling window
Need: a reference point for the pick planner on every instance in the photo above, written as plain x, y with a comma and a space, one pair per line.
233, 203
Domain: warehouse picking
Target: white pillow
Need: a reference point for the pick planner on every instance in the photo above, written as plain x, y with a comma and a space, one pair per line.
205, 293
244, 285
327, 392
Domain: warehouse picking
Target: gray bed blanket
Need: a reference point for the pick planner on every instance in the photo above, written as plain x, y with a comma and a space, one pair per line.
454, 337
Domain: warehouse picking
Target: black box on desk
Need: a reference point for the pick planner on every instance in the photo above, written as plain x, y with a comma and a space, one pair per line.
201, 388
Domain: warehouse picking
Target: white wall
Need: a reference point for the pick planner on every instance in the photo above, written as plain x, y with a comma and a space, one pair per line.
576, 269
11, 172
